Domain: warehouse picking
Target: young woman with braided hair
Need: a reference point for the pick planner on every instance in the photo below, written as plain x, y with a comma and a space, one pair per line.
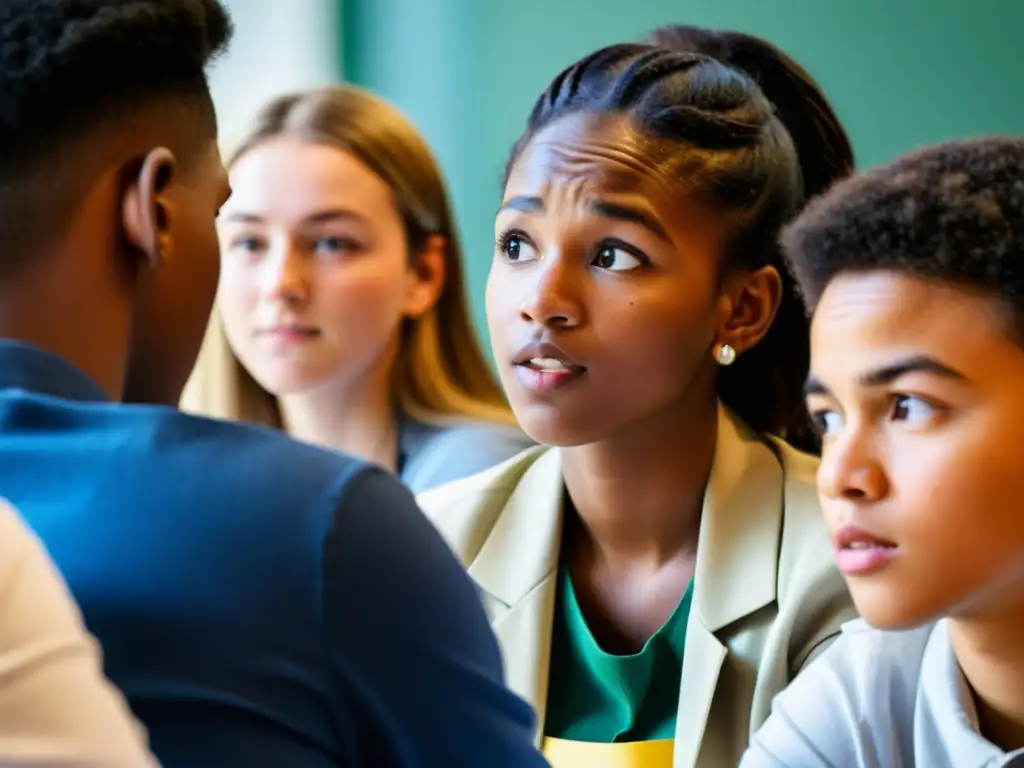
661, 570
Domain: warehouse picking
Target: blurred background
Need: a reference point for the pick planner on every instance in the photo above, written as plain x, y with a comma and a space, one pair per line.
900, 72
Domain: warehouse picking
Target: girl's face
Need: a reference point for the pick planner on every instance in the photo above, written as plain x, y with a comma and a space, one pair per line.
605, 296
316, 278
918, 390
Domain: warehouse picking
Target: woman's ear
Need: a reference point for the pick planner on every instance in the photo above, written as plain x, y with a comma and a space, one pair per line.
146, 211
427, 274
748, 307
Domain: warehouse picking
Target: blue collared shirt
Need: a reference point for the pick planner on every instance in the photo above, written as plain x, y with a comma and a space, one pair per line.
259, 602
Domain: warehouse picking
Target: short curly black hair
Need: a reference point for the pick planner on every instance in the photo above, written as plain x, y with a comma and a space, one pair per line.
952, 213
70, 68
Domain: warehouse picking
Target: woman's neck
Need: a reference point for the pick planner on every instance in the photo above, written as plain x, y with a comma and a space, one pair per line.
639, 494
359, 420
989, 651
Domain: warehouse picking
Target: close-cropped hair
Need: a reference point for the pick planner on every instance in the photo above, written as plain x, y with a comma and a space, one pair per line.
747, 131
952, 213
441, 374
73, 73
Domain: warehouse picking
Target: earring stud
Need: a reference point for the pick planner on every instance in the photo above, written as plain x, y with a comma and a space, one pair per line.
725, 354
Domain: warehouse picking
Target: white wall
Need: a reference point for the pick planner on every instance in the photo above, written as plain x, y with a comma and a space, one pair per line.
279, 46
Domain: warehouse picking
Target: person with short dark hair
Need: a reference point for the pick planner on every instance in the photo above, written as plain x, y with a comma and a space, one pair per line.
259, 602
662, 570
914, 272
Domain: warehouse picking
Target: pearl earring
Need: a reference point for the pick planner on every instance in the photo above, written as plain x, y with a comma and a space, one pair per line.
725, 354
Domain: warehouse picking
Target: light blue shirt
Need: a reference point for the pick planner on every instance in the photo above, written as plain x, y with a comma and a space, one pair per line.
432, 455
878, 699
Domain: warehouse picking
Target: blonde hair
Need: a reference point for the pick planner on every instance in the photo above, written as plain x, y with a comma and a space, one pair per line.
440, 373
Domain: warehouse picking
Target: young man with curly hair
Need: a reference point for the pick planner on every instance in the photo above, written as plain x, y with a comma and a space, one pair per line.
914, 272
259, 602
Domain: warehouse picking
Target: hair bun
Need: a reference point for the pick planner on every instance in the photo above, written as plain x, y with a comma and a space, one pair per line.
823, 147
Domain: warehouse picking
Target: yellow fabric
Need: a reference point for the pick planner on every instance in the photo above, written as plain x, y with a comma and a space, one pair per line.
584, 754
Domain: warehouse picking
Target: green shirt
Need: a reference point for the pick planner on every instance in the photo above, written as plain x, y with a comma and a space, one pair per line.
600, 697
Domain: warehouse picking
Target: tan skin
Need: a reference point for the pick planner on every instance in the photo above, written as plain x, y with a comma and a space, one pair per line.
601, 252
134, 270
921, 408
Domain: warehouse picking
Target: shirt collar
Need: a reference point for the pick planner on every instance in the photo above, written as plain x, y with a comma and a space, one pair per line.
950, 696
30, 368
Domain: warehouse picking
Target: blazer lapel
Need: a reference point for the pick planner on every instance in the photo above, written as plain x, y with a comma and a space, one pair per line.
517, 569
737, 558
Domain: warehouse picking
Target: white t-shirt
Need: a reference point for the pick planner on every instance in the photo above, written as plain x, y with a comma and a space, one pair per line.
56, 707
878, 699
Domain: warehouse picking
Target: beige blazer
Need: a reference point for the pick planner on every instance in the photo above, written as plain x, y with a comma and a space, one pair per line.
767, 595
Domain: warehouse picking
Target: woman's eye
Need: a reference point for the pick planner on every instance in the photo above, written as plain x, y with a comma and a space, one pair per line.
616, 259
911, 409
335, 244
827, 422
247, 244
515, 247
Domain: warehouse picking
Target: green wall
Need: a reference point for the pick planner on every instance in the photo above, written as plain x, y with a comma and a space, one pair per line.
899, 72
